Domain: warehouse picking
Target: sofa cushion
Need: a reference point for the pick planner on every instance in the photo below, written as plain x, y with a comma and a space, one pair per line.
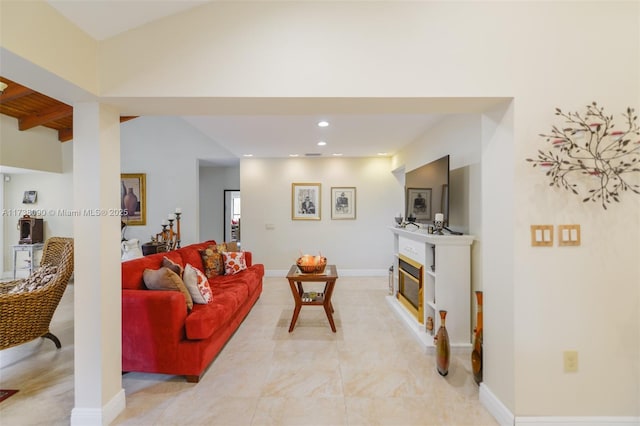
212, 262
175, 267
197, 284
234, 262
204, 320
132, 269
165, 279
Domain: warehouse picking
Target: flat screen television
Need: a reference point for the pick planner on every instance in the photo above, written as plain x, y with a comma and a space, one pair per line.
427, 191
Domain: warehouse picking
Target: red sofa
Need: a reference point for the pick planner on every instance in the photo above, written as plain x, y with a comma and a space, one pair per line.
160, 336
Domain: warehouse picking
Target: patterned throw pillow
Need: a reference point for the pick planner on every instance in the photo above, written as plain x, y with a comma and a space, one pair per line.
212, 259
165, 279
234, 262
197, 284
39, 278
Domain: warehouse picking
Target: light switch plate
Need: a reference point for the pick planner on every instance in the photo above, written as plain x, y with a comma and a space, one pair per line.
569, 235
542, 235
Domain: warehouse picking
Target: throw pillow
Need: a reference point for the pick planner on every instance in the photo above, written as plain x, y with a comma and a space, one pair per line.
232, 246
172, 265
197, 285
165, 279
234, 262
38, 279
212, 260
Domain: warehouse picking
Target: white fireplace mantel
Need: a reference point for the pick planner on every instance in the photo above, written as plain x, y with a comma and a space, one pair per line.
446, 261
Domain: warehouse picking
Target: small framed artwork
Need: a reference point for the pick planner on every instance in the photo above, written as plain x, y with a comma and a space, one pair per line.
305, 201
343, 202
133, 201
30, 197
419, 203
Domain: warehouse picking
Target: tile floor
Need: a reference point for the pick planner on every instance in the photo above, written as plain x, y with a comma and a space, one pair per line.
371, 372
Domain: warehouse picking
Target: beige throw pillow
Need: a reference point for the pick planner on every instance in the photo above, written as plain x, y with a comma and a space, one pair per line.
165, 279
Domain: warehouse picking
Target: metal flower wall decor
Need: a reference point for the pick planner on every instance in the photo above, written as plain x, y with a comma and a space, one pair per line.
590, 145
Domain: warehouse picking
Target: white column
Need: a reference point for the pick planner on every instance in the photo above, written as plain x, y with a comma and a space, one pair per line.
2, 226
99, 396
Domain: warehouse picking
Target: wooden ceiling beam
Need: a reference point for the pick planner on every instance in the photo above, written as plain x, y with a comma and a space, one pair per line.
43, 117
33, 109
15, 92
65, 135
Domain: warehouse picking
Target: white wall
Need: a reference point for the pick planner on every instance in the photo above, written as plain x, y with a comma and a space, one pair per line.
55, 190
213, 182
363, 245
167, 149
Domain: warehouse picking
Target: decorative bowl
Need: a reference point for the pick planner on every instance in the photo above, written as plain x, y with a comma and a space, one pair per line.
312, 268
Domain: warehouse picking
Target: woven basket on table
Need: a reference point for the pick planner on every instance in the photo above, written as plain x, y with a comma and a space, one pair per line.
26, 316
312, 269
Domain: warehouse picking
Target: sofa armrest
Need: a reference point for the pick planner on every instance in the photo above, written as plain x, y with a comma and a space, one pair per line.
248, 258
151, 319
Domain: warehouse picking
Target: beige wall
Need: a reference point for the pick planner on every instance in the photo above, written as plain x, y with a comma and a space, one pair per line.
364, 245
34, 30
539, 302
30, 149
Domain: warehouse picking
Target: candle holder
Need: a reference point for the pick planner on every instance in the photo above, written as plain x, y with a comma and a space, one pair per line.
168, 237
178, 214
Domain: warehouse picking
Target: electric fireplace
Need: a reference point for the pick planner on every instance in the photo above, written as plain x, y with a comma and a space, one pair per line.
410, 286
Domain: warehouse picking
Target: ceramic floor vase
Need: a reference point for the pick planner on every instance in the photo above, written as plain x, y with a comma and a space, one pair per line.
443, 349
476, 353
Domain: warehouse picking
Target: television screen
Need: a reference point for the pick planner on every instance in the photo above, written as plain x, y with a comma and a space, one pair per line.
427, 191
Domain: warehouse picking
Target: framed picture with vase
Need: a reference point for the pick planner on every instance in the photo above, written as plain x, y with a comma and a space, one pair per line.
133, 201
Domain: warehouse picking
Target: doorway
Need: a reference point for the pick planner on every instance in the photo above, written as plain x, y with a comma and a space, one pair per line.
232, 215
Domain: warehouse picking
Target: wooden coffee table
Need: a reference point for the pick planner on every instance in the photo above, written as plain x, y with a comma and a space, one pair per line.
302, 298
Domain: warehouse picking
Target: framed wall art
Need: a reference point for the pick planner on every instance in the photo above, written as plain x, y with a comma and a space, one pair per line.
419, 203
30, 197
305, 201
133, 201
343, 202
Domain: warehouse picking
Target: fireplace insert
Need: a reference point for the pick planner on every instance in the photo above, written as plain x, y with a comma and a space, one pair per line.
410, 287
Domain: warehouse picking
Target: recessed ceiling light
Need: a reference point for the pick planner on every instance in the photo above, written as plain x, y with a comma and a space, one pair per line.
323, 123
293, 155
383, 153
322, 143
337, 154
248, 155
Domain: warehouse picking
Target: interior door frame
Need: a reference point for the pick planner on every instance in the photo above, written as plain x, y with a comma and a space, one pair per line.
226, 217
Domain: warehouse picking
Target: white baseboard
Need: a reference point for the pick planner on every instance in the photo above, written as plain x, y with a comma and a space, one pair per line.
504, 417
581, 420
341, 272
99, 416
495, 407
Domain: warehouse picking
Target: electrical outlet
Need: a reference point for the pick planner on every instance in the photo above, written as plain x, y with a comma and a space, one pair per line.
570, 361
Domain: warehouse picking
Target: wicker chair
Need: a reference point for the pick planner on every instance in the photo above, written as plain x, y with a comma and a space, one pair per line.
26, 316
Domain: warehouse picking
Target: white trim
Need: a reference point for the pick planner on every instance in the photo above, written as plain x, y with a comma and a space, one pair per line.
99, 416
341, 272
572, 421
496, 408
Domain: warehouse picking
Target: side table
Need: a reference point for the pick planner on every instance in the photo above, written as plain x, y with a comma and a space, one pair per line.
302, 298
31, 248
